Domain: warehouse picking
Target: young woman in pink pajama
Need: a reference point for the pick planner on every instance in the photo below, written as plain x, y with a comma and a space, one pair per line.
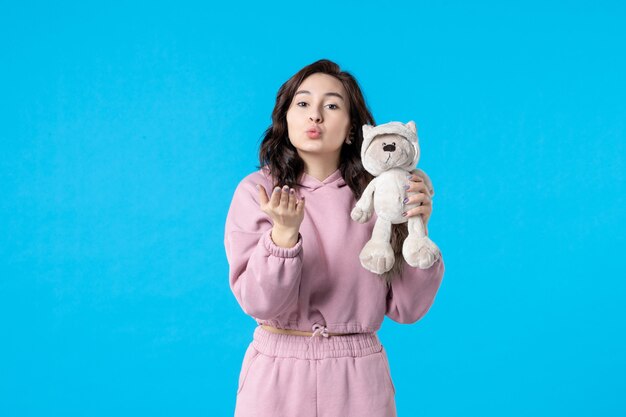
294, 260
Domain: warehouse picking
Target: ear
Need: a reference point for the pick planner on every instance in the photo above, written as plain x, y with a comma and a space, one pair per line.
366, 128
411, 126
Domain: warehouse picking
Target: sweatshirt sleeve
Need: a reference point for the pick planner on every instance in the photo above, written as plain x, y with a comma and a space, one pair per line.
264, 277
412, 293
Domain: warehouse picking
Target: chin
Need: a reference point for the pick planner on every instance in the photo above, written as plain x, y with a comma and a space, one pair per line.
311, 149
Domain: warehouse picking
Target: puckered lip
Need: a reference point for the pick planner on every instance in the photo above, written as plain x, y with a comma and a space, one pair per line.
314, 129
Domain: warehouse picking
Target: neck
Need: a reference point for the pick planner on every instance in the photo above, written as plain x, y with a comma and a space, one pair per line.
320, 167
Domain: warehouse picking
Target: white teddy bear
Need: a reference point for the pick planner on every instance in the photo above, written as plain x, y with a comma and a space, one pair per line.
390, 152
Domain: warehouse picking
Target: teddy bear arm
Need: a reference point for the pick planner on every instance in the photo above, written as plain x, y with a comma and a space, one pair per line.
366, 202
426, 179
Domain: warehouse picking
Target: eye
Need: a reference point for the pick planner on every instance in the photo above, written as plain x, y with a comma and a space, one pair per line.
333, 106
394, 144
301, 102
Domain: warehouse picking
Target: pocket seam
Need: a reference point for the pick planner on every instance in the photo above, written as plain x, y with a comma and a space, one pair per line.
383, 358
247, 370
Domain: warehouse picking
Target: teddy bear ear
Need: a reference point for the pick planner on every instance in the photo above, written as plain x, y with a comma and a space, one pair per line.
366, 128
411, 125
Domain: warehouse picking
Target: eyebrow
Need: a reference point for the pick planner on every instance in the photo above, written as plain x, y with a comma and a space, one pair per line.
327, 94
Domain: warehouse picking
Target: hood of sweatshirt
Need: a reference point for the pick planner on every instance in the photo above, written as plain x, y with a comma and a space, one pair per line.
311, 183
333, 180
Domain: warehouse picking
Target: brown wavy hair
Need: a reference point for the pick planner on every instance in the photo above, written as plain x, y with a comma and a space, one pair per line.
285, 166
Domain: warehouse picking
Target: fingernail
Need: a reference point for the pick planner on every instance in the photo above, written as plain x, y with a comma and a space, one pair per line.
292, 191
406, 187
404, 214
406, 200
277, 189
285, 188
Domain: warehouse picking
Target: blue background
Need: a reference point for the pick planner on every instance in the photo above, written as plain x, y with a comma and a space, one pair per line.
125, 129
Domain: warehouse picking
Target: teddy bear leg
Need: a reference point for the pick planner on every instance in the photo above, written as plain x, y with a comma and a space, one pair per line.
377, 254
418, 250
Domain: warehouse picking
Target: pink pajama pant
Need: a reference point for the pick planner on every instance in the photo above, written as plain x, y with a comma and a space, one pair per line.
298, 376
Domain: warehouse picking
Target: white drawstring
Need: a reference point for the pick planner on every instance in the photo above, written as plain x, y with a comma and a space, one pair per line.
319, 330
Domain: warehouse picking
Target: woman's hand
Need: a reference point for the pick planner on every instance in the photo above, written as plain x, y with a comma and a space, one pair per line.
286, 212
416, 185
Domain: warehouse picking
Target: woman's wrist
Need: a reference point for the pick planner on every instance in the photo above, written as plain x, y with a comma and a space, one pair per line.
285, 237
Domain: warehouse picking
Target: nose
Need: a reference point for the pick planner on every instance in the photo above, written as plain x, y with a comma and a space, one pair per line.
389, 148
315, 115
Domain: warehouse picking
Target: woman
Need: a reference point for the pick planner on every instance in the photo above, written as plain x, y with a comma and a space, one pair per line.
294, 264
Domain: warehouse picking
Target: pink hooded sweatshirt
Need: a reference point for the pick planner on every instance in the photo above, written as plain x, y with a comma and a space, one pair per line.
319, 281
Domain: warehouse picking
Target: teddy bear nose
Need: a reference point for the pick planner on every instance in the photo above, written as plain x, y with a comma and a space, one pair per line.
389, 148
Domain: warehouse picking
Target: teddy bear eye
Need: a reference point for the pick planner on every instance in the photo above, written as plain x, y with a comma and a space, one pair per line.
384, 143
394, 144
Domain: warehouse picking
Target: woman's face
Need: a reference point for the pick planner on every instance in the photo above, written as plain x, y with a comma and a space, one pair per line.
318, 118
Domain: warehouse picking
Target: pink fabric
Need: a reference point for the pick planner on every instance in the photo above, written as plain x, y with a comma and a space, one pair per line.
317, 286
337, 376
320, 280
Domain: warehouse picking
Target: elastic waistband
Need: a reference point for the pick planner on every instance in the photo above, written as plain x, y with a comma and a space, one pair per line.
303, 347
